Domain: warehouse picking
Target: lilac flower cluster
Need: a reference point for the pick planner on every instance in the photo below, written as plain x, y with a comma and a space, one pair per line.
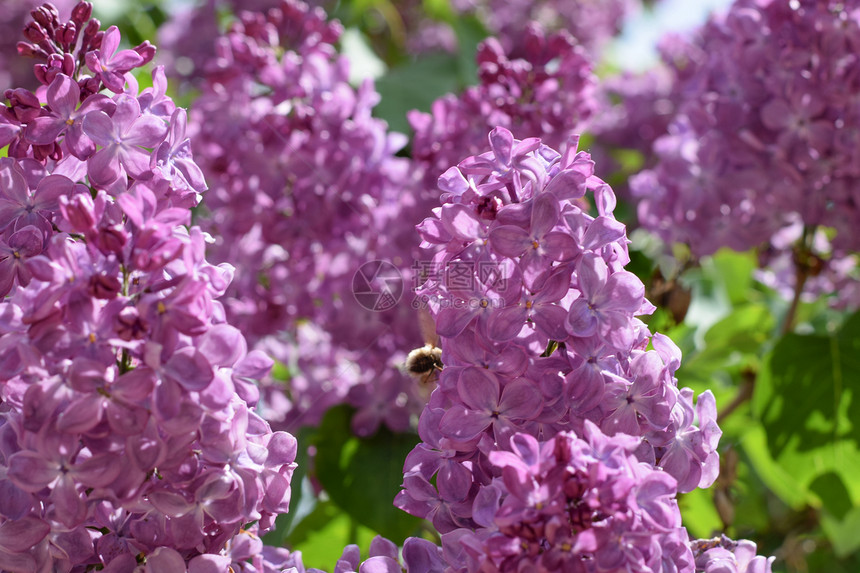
417, 555
14, 16
593, 24
724, 555
302, 179
542, 88
764, 143
575, 505
635, 109
189, 36
554, 433
127, 430
526, 540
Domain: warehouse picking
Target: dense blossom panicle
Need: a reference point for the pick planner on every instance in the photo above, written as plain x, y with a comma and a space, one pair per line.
543, 88
188, 36
575, 504
129, 436
15, 71
415, 556
593, 24
762, 150
723, 555
544, 357
634, 110
303, 181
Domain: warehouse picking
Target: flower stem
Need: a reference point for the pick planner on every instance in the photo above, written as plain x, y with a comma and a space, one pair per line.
803, 261
125, 358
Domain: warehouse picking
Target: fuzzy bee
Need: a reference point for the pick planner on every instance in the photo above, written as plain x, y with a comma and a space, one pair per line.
423, 363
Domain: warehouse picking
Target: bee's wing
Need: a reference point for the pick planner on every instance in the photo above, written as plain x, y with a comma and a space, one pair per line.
427, 327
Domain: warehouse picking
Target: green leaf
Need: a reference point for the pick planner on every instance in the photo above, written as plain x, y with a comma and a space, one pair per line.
730, 345
324, 533
417, 83
822, 559
745, 329
839, 520
362, 476
736, 273
780, 480
470, 32
415, 86
807, 399
700, 516
842, 533
137, 21
756, 507
439, 9
281, 371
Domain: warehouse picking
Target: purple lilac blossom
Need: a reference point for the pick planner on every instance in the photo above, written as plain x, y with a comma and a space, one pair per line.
15, 71
189, 36
128, 436
417, 555
764, 143
574, 504
544, 88
302, 182
634, 110
724, 555
498, 473
623, 512
312, 238
592, 24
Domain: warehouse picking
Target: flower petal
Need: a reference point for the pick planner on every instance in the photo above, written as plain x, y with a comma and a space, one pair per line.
521, 400
509, 240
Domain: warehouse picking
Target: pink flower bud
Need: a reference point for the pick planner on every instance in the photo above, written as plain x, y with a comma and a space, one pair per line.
79, 212
111, 239
81, 13
35, 33
146, 51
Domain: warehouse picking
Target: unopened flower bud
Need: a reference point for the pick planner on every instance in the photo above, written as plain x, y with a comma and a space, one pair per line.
104, 286
57, 64
111, 239
41, 73
129, 324
90, 33
47, 16
79, 211
68, 65
19, 97
49, 151
96, 42
81, 13
24, 104
89, 86
35, 33
29, 50
66, 34
146, 51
